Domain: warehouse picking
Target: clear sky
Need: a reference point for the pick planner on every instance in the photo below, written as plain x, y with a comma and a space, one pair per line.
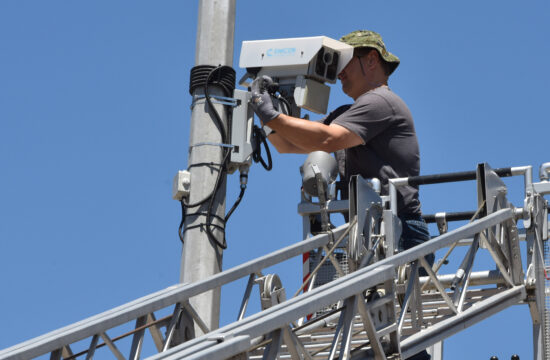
94, 119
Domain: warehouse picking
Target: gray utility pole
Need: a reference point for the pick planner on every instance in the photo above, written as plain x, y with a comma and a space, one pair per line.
201, 257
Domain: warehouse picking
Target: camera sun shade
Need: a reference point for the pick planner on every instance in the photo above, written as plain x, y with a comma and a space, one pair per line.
302, 64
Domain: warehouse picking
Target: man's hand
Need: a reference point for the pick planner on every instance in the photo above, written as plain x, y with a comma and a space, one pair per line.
261, 100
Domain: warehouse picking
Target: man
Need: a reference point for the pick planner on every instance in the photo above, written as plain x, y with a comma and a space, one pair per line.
373, 137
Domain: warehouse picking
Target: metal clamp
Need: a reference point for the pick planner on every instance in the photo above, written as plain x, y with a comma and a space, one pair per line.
440, 219
544, 172
216, 99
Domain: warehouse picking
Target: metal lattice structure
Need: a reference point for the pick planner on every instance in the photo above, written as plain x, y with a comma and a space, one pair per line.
380, 307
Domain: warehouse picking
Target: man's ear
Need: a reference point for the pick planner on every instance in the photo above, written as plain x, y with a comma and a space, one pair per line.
372, 58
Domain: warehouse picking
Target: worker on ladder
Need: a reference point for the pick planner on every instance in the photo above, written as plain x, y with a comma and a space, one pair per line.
374, 137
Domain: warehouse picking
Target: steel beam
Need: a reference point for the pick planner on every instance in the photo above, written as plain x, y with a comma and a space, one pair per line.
137, 340
435, 333
279, 315
284, 313
219, 350
156, 301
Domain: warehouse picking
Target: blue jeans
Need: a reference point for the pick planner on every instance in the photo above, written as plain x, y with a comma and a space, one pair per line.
415, 232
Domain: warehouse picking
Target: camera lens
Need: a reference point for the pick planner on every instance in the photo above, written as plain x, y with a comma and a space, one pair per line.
333, 67
319, 64
327, 58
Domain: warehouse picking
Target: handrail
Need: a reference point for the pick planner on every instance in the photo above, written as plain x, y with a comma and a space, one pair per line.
526, 171
341, 288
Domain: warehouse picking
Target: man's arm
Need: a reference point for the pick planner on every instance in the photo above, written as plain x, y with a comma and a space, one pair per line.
284, 146
303, 136
294, 134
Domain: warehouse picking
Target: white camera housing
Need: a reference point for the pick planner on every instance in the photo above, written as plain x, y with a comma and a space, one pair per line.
304, 64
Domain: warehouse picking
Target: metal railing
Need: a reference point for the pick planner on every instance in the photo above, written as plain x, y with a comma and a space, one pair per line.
143, 307
383, 309
352, 286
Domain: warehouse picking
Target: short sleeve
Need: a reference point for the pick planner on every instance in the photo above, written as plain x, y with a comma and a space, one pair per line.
335, 114
367, 117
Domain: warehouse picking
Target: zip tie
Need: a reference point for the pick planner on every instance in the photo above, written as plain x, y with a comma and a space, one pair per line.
212, 144
216, 99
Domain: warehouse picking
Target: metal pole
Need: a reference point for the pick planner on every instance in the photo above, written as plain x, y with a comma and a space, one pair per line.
201, 257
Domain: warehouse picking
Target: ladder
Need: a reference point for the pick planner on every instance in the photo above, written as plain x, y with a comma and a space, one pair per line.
381, 305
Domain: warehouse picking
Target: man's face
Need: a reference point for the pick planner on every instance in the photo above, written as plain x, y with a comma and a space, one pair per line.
353, 77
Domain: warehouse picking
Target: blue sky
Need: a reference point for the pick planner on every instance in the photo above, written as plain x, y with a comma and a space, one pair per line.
94, 119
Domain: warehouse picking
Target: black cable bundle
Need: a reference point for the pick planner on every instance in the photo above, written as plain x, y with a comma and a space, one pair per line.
223, 77
259, 139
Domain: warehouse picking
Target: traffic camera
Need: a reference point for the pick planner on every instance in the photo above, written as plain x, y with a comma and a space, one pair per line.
300, 66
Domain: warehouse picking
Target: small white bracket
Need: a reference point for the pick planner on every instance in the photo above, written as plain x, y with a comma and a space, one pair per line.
181, 185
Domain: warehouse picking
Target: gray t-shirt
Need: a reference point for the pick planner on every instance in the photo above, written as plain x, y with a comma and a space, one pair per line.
390, 148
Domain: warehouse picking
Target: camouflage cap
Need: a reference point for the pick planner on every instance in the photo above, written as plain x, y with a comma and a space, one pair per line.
371, 39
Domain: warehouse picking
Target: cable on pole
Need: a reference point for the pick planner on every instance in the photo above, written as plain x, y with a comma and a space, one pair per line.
223, 77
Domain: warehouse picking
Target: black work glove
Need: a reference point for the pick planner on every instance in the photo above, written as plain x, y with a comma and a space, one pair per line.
261, 100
